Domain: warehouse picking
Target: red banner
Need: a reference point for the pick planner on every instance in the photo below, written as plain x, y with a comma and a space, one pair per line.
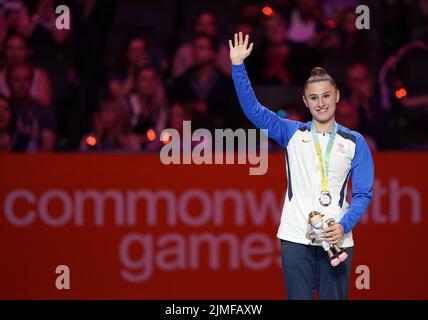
129, 227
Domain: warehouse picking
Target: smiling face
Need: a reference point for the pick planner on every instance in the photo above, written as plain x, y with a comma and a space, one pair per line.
320, 98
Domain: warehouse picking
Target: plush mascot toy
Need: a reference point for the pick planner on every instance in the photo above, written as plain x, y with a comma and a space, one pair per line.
335, 253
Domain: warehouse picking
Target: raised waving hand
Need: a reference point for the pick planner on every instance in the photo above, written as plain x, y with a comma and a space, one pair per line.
239, 49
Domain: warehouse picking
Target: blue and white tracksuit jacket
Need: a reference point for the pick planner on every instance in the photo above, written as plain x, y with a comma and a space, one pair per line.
350, 157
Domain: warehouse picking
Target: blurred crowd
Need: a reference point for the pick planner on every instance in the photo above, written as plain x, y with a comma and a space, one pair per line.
128, 69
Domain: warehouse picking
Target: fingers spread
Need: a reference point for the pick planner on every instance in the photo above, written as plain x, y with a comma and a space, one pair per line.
236, 39
230, 44
241, 40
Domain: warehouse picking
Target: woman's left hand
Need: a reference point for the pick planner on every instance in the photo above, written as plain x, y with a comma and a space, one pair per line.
334, 233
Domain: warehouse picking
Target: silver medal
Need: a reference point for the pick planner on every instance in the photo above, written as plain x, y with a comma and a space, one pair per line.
325, 198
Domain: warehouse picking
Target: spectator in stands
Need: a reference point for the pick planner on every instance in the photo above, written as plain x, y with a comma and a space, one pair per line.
333, 8
250, 12
363, 96
206, 85
134, 56
41, 18
147, 103
16, 52
35, 124
250, 20
271, 61
112, 130
205, 23
51, 46
177, 113
12, 18
346, 37
306, 27
305, 22
346, 45
7, 126
420, 21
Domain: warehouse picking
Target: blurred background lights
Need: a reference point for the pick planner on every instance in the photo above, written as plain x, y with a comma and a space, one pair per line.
151, 135
267, 11
400, 93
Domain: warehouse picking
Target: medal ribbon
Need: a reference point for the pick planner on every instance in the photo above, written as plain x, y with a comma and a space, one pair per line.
323, 160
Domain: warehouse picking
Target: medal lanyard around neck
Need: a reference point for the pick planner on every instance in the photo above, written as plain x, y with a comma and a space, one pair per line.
323, 160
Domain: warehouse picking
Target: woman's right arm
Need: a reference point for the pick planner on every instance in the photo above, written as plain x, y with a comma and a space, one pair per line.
278, 128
